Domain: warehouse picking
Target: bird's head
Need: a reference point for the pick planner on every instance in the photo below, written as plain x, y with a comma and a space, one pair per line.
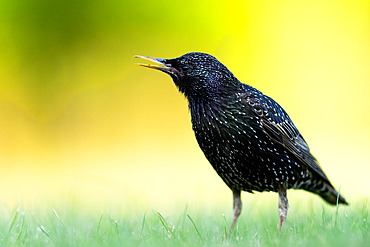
195, 74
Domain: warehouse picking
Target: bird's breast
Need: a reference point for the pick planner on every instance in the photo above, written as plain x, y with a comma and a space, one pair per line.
240, 151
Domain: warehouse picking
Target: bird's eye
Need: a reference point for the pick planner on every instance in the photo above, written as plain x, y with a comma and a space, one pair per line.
185, 67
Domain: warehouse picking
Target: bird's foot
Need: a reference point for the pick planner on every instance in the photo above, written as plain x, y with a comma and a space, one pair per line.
282, 221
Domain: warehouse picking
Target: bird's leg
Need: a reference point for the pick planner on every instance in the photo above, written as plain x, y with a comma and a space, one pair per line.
237, 206
283, 204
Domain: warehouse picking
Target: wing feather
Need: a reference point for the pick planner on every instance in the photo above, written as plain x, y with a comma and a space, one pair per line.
278, 125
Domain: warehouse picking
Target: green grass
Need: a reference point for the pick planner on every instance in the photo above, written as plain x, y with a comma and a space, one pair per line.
320, 226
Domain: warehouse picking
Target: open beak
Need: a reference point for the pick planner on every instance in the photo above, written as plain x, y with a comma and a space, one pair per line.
161, 64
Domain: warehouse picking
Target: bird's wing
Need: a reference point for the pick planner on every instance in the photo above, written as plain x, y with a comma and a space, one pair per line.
278, 125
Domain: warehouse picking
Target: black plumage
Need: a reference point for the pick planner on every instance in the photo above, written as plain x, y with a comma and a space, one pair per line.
247, 137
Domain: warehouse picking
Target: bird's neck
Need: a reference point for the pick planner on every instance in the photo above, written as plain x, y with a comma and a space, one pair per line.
205, 111
215, 99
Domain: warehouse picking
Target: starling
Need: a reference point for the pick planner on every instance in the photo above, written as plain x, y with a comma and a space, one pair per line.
247, 137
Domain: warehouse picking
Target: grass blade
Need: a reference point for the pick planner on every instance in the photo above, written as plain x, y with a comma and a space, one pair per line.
165, 225
180, 222
57, 215
142, 226
336, 213
14, 219
42, 228
99, 224
195, 227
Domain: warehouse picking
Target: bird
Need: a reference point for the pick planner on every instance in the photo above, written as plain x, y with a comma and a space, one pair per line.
247, 137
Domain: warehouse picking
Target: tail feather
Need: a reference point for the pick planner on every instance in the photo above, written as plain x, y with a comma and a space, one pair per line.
323, 189
331, 196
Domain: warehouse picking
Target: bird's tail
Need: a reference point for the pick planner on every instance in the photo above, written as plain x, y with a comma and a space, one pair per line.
326, 191
331, 196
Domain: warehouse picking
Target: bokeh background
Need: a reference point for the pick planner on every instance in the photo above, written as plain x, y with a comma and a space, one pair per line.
80, 123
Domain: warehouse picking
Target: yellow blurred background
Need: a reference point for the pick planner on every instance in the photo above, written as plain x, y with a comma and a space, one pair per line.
79, 121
